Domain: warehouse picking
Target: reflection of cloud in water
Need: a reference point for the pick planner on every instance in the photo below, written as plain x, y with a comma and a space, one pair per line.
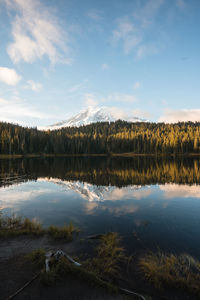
184, 191
90, 208
127, 208
136, 192
92, 192
13, 196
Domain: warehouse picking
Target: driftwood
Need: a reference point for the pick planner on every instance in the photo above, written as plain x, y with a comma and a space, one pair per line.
57, 255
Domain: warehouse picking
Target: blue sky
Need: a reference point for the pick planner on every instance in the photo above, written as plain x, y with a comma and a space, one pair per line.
138, 57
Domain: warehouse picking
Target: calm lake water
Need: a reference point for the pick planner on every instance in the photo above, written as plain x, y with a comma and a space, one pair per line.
153, 203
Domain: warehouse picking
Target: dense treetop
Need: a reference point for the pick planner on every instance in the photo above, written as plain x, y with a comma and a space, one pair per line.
107, 138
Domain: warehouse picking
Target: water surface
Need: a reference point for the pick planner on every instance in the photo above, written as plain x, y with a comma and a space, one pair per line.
153, 203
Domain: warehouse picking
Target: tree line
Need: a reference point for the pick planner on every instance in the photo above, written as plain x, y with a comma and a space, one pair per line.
103, 138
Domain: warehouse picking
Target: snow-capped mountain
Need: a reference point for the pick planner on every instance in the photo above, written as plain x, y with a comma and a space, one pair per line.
91, 115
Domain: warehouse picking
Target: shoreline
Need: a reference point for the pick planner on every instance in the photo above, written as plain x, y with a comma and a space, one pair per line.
128, 154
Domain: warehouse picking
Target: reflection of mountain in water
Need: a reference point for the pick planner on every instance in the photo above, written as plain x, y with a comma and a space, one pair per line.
103, 171
88, 191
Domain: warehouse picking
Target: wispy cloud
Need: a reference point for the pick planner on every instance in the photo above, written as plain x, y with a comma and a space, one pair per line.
94, 14
9, 76
78, 87
91, 99
146, 50
183, 115
121, 98
36, 33
132, 29
128, 34
18, 111
34, 86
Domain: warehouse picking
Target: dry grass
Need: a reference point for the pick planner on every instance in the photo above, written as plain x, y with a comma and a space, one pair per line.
65, 232
109, 255
169, 270
13, 226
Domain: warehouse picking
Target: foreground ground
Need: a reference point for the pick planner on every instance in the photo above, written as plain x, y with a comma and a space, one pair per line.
15, 271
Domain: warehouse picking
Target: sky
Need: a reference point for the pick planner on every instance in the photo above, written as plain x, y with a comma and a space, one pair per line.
137, 57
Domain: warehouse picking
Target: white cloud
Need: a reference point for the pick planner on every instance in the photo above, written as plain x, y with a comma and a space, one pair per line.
105, 66
34, 86
183, 115
9, 76
137, 85
17, 111
132, 29
36, 33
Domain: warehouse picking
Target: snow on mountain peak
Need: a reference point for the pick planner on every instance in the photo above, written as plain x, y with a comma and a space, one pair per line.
91, 115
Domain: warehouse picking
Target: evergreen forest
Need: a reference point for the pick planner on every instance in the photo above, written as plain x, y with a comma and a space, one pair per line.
103, 138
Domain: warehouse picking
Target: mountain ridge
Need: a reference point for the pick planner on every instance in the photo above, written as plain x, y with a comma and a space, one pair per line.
90, 115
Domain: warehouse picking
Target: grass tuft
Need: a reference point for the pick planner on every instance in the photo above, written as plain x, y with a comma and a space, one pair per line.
62, 233
14, 226
109, 255
171, 270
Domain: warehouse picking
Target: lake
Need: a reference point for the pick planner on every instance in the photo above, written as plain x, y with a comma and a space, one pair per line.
154, 203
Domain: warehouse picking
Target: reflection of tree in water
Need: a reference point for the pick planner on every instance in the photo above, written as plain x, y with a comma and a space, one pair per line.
103, 171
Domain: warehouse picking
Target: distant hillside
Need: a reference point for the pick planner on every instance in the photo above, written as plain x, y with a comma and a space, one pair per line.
103, 138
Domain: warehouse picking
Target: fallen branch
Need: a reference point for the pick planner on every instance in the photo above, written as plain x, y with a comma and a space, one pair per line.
23, 287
